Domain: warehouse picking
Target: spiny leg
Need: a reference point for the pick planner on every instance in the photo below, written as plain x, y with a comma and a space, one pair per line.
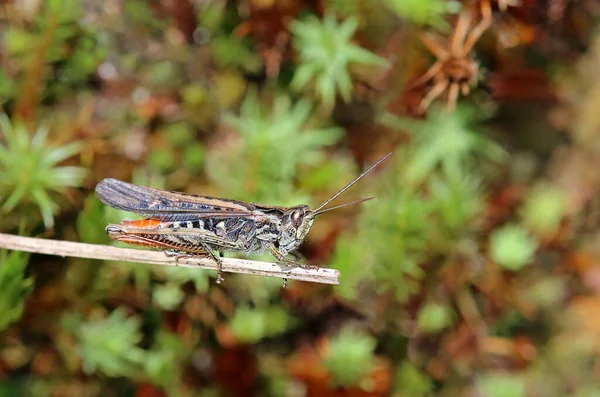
281, 258
177, 254
301, 259
206, 251
216, 259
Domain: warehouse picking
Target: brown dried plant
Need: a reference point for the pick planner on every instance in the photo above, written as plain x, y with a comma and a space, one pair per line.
455, 70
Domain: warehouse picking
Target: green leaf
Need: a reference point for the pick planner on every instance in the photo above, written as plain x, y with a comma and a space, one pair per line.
61, 177
45, 204
58, 154
304, 74
359, 55
15, 196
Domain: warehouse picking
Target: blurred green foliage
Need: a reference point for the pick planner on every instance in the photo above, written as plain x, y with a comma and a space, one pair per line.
162, 363
512, 247
15, 286
326, 54
349, 357
110, 345
167, 296
474, 272
409, 381
29, 169
544, 209
428, 198
427, 12
170, 294
451, 142
502, 385
232, 51
433, 318
250, 325
73, 50
272, 146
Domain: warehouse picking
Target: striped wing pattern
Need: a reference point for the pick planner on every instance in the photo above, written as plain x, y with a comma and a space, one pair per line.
167, 206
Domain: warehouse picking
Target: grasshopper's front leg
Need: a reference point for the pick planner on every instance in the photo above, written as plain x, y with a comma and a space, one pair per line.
282, 258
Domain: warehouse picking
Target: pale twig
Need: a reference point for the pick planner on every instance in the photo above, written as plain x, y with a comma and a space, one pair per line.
106, 252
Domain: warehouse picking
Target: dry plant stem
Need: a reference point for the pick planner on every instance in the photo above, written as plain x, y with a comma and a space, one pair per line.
105, 252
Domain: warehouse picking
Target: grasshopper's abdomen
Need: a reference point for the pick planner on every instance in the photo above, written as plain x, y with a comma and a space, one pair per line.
193, 236
154, 233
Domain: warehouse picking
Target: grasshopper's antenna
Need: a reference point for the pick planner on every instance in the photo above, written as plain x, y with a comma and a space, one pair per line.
348, 186
344, 205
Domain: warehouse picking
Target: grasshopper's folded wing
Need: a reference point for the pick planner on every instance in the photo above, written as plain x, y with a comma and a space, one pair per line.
165, 205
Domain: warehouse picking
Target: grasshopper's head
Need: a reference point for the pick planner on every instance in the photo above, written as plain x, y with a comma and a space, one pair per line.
296, 221
295, 225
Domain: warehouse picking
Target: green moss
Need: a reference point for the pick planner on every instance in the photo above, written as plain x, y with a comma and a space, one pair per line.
512, 247
326, 55
350, 357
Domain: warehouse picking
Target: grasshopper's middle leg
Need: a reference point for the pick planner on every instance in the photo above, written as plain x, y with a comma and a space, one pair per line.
205, 250
216, 258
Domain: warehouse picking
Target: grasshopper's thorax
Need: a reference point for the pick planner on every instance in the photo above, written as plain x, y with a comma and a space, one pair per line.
295, 224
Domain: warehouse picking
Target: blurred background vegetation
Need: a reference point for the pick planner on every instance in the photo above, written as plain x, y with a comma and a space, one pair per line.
476, 272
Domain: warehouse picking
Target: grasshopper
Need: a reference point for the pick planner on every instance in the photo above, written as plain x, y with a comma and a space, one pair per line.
187, 225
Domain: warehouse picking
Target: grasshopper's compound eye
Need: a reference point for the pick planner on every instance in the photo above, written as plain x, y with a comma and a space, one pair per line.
296, 218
